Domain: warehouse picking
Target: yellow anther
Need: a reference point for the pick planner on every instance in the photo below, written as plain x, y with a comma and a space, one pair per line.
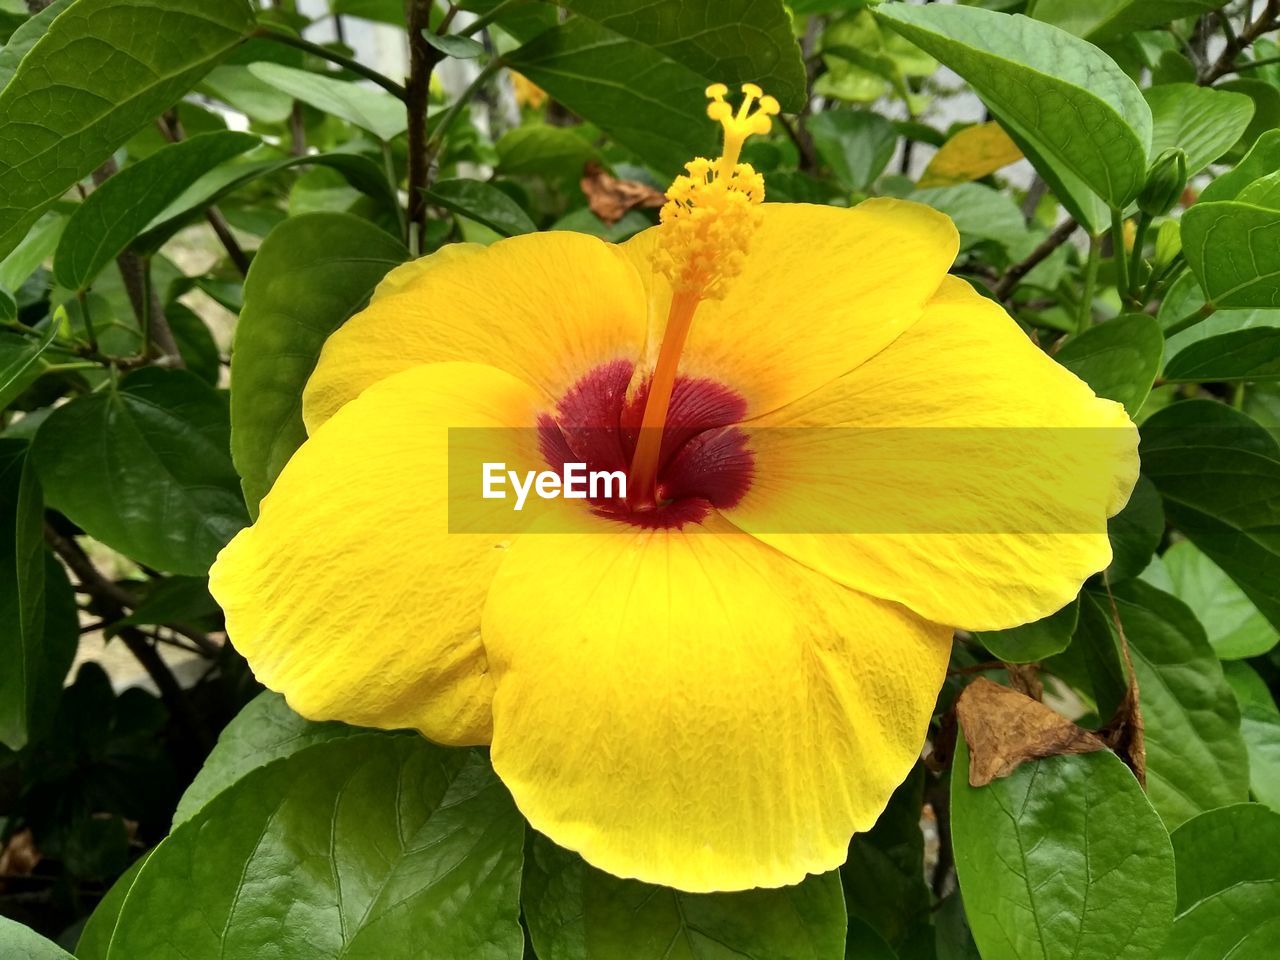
710, 212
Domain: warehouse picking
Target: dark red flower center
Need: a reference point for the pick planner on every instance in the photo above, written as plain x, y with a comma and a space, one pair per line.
704, 460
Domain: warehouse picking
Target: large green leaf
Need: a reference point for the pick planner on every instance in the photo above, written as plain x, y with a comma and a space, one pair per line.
1252, 354
95, 939
1234, 626
1234, 250
1204, 122
20, 361
856, 144
644, 100
22, 943
1196, 759
368, 108
1033, 641
360, 848
1239, 923
265, 730
1078, 117
1223, 847
1262, 159
576, 912
38, 621
482, 202
1260, 727
361, 172
105, 224
1119, 359
310, 274
145, 467
729, 41
1114, 19
1049, 858
1219, 475
1135, 532
25, 37
981, 214
110, 66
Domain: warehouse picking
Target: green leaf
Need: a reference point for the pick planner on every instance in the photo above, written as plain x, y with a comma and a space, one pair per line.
1252, 354
1263, 192
103, 62
1049, 858
1034, 641
1262, 159
109, 219
980, 213
883, 877
1219, 475
36, 247
462, 48
729, 41
368, 108
241, 90
22, 943
310, 274
642, 99
265, 730
145, 468
20, 362
1223, 847
1204, 122
1248, 686
1233, 624
1234, 250
169, 600
360, 848
1114, 19
856, 144
361, 172
539, 148
575, 912
1119, 359
39, 631
1240, 923
1260, 728
1100, 132
95, 939
1195, 756
484, 203
24, 38
1135, 532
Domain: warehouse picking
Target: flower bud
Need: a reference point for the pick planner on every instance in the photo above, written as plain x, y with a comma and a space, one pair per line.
1166, 180
1168, 244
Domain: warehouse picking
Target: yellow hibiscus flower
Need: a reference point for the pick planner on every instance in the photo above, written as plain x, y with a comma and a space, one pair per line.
709, 683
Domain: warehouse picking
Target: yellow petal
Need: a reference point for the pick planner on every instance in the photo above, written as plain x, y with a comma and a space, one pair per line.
349, 595
546, 307
693, 709
822, 289
973, 153
960, 472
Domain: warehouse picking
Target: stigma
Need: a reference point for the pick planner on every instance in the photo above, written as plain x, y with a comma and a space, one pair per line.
711, 210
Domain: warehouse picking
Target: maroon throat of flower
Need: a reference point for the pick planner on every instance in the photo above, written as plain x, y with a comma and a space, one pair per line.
702, 460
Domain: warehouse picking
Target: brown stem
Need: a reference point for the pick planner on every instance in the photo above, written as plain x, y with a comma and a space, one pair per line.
422, 61
115, 599
1268, 20
1015, 273
171, 127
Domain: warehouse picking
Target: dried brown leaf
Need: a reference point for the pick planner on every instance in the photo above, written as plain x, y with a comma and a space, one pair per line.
611, 199
1004, 729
